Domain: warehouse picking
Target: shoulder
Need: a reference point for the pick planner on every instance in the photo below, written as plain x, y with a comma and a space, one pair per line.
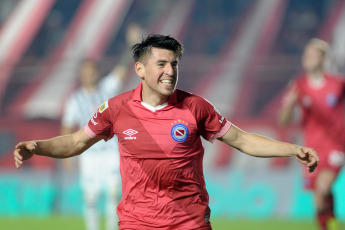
188, 98
335, 77
297, 83
192, 101
112, 106
120, 99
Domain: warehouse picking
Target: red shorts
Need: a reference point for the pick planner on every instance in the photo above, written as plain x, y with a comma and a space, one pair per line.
332, 160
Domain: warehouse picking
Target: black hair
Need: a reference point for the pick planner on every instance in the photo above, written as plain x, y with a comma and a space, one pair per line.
143, 49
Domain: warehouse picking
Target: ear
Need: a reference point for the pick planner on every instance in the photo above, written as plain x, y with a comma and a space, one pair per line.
140, 70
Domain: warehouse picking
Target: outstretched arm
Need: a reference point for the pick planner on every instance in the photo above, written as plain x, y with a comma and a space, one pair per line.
57, 147
68, 162
260, 146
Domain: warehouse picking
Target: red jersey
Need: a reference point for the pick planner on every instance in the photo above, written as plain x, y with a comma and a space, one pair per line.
161, 158
323, 111
323, 122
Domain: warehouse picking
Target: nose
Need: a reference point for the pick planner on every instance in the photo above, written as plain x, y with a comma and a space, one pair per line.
169, 69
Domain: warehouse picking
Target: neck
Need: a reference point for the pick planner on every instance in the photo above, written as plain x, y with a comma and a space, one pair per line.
153, 99
316, 79
90, 88
315, 75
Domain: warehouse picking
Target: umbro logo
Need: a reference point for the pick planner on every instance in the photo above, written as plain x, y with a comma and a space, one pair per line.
130, 133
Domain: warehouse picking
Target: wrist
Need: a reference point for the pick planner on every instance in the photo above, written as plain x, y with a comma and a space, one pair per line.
296, 150
35, 144
35, 147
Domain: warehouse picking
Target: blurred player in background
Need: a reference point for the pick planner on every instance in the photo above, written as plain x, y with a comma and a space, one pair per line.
159, 129
99, 165
321, 96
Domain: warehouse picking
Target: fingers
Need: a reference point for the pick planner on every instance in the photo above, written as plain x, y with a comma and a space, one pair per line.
20, 145
313, 160
312, 168
22, 152
312, 165
18, 159
308, 154
314, 154
18, 163
17, 155
301, 153
309, 157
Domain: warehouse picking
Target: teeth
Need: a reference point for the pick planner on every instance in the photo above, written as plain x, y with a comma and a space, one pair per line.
167, 81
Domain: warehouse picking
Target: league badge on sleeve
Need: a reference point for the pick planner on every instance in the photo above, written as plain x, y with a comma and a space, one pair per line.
103, 107
179, 132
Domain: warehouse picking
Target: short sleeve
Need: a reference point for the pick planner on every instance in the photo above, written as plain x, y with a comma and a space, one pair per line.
70, 114
211, 124
100, 124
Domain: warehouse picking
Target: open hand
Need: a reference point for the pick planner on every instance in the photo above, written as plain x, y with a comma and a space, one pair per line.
308, 156
23, 151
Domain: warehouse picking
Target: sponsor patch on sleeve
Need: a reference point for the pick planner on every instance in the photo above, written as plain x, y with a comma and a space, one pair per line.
103, 107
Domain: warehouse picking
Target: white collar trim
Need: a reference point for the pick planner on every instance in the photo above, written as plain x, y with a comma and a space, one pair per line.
154, 109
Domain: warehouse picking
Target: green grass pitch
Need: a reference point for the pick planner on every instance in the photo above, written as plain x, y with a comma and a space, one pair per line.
76, 223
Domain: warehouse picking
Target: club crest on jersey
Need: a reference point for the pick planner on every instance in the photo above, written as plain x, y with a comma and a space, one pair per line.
331, 99
179, 132
103, 107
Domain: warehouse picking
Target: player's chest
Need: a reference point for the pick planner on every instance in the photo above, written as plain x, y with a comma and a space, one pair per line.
327, 97
162, 132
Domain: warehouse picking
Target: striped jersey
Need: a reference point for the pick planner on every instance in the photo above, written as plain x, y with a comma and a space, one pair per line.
82, 104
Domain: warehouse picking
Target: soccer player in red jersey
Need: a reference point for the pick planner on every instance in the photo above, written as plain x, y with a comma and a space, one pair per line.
321, 97
159, 129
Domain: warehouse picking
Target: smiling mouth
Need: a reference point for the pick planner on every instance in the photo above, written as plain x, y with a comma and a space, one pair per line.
167, 82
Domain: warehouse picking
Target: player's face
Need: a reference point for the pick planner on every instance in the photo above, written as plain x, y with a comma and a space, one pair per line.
89, 74
159, 73
312, 59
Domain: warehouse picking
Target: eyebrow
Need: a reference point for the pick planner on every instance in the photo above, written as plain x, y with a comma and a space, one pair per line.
165, 61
